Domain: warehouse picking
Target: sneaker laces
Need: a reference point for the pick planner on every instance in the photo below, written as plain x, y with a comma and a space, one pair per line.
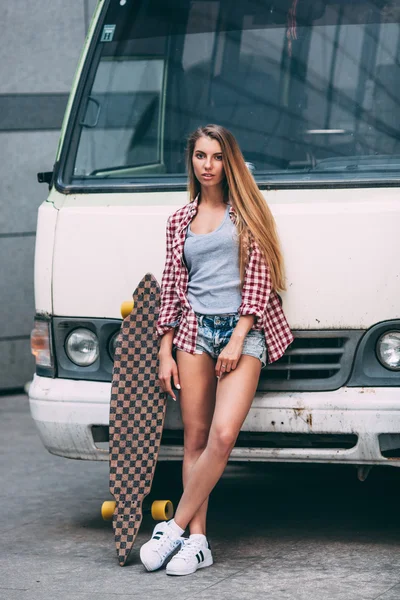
166, 544
188, 546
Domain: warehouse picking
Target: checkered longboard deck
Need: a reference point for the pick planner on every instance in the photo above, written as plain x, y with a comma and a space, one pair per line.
137, 413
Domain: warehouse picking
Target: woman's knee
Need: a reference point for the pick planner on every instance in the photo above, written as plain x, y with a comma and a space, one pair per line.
195, 439
222, 440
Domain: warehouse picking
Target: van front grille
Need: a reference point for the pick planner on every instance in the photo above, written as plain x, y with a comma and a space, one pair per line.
315, 361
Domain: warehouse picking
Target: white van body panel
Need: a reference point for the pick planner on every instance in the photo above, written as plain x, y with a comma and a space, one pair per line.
93, 249
108, 242
45, 235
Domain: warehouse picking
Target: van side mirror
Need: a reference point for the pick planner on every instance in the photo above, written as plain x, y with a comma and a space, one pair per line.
45, 177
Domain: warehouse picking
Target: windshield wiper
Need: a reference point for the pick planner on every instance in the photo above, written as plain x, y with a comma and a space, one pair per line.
358, 163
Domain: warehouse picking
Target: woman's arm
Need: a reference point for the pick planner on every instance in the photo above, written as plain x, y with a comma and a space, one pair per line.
170, 307
256, 286
168, 319
167, 366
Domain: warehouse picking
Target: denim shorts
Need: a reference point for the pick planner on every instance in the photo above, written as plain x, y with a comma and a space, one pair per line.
214, 332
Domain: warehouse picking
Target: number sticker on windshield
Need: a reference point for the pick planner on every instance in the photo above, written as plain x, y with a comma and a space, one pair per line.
108, 33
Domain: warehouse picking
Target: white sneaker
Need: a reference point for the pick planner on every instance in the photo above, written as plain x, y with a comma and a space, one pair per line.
194, 554
164, 541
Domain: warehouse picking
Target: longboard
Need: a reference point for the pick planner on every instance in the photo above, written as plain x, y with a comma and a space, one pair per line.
137, 412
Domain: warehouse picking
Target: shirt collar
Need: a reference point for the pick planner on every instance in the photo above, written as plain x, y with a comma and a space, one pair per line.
193, 206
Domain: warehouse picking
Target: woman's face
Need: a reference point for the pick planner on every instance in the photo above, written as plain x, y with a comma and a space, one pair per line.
208, 162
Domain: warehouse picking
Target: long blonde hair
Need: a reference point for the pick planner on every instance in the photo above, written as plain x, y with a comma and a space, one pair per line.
253, 216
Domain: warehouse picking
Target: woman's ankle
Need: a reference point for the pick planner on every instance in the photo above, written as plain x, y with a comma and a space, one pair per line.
197, 532
197, 528
176, 527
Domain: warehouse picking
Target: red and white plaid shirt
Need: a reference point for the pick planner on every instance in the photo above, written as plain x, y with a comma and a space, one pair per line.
258, 298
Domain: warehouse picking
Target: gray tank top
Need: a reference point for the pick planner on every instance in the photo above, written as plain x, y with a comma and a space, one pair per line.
212, 260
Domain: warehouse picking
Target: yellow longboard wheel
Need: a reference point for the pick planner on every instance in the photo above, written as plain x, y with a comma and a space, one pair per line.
162, 510
126, 308
107, 509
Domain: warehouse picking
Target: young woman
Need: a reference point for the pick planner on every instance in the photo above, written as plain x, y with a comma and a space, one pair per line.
220, 309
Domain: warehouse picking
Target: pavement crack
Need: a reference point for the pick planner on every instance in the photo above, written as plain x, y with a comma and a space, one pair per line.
223, 579
386, 591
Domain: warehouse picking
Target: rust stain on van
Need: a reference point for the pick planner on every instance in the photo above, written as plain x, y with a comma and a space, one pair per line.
298, 412
308, 418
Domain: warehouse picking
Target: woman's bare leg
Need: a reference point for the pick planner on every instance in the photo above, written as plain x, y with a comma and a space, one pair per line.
235, 393
197, 399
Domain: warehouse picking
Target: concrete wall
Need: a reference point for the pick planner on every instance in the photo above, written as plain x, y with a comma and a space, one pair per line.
39, 48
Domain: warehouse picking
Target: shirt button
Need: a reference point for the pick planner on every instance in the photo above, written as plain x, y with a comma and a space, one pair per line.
217, 320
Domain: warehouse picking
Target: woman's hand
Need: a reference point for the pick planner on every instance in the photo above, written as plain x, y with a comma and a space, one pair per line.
229, 357
167, 369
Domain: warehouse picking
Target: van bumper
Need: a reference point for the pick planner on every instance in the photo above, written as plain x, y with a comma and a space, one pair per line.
65, 412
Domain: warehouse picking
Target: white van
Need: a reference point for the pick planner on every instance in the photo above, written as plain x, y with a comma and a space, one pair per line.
310, 90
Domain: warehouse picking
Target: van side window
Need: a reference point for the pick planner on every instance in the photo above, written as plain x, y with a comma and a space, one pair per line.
127, 95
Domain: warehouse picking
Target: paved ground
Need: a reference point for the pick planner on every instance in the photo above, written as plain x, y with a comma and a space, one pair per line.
280, 532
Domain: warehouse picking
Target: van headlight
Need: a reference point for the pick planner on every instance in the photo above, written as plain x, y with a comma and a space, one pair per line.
112, 346
82, 347
388, 350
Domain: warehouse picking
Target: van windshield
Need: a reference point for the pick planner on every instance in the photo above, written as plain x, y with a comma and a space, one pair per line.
308, 87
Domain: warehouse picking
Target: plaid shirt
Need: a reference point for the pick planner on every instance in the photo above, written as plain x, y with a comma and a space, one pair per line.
258, 298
